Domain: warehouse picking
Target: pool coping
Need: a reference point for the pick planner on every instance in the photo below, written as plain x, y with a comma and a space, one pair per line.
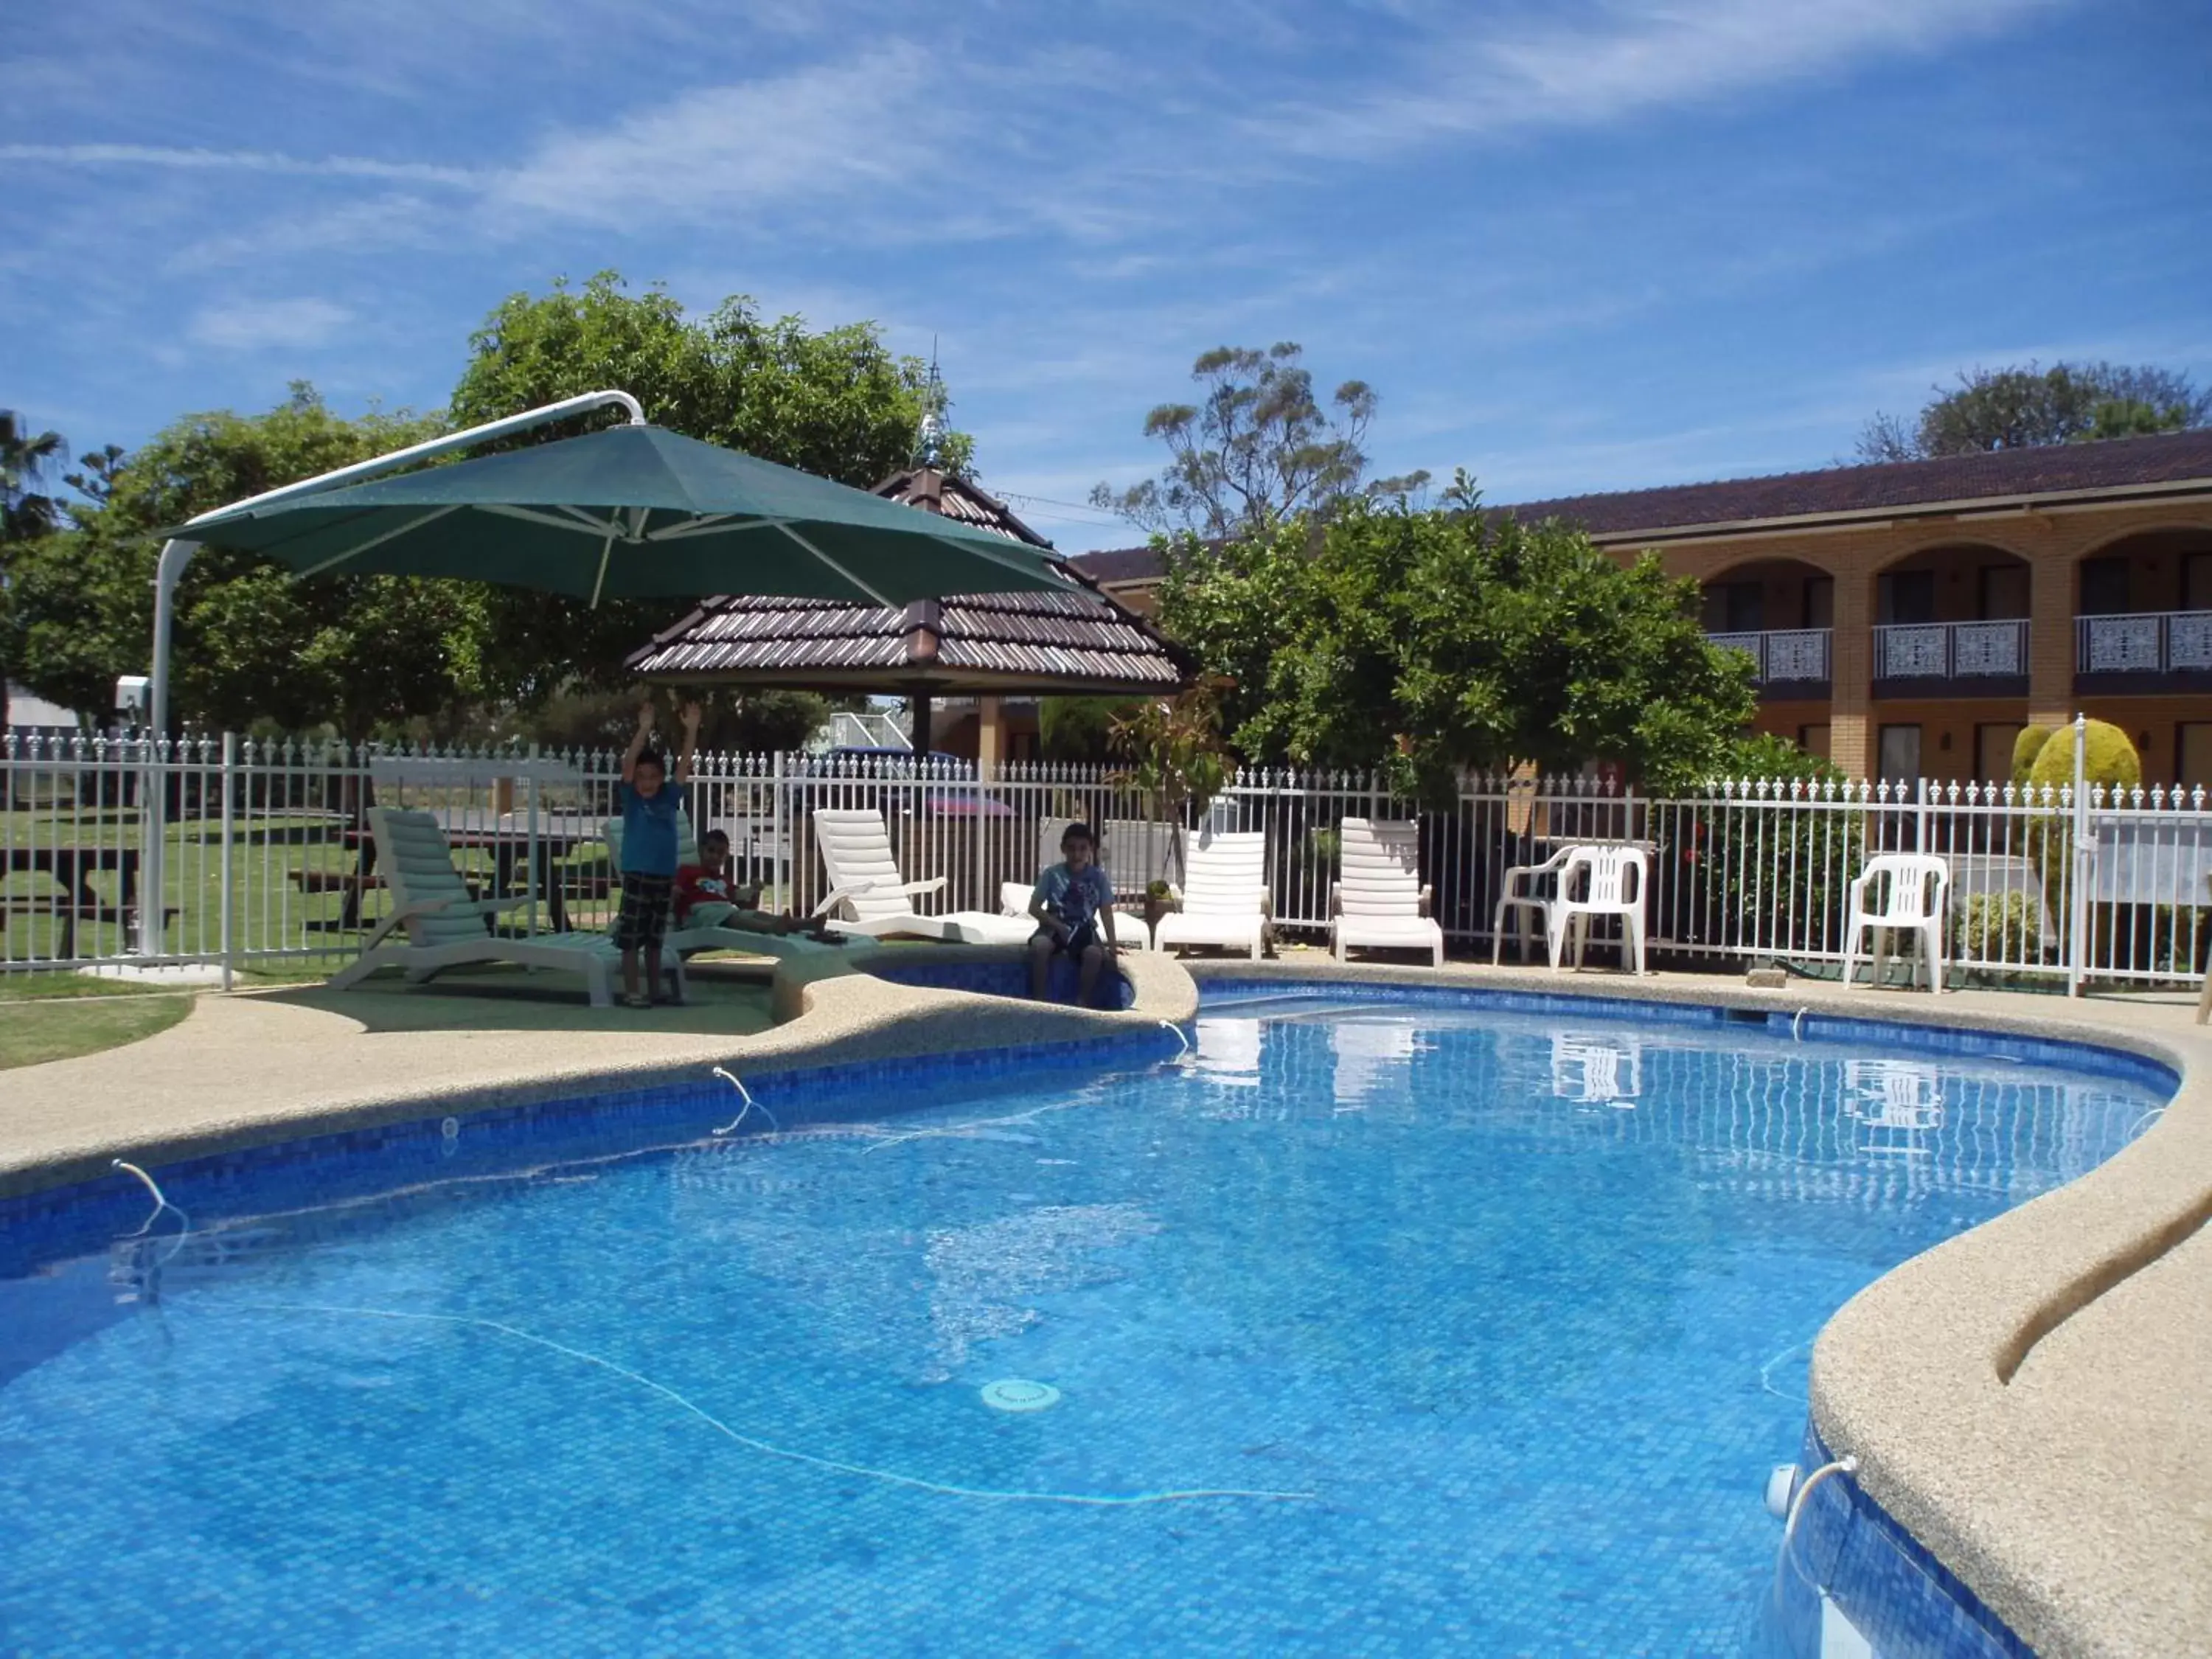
1916, 1375
828, 1019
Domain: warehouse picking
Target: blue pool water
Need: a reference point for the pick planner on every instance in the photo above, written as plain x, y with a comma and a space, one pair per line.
1474, 1333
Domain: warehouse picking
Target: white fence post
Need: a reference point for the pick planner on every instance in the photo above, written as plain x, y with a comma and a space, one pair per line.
229, 885
2077, 948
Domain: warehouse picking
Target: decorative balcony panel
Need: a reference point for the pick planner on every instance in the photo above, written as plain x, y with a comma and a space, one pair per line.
2147, 642
2122, 645
1988, 648
1928, 652
1913, 653
2189, 640
1799, 654
1796, 656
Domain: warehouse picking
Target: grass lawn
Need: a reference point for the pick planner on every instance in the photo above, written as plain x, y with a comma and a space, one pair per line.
60, 1016
287, 872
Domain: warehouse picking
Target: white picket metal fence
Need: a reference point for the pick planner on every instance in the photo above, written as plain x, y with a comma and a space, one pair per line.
254, 855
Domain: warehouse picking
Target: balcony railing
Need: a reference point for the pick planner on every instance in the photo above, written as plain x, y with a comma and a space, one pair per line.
1951, 651
1785, 656
2147, 642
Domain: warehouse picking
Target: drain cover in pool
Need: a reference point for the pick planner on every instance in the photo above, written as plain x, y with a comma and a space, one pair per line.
1014, 1393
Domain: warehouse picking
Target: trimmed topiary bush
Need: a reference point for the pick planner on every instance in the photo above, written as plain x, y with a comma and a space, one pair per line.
2107, 758
2025, 748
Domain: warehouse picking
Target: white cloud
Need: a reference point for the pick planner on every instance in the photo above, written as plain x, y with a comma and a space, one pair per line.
248, 161
254, 326
1621, 61
823, 131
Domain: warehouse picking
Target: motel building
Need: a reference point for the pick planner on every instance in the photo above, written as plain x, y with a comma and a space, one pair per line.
1908, 619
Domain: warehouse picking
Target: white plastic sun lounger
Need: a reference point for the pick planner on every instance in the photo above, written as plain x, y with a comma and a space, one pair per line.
1225, 899
1380, 903
867, 894
446, 928
704, 929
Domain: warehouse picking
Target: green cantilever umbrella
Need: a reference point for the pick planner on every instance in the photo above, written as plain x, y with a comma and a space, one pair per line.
631, 512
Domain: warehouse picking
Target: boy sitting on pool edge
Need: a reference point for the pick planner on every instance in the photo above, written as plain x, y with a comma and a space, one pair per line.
1072, 902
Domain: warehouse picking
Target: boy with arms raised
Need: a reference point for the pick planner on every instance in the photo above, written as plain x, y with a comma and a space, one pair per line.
649, 809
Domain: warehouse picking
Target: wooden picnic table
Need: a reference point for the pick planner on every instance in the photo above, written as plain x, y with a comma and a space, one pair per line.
72, 868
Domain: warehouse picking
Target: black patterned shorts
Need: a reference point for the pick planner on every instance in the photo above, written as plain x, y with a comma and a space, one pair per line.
642, 921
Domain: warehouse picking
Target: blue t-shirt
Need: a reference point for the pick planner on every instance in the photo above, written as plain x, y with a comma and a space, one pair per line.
1074, 896
649, 831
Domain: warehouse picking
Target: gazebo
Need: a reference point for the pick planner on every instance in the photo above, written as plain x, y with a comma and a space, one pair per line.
985, 646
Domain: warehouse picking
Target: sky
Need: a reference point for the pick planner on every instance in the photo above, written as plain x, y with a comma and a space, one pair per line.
1578, 245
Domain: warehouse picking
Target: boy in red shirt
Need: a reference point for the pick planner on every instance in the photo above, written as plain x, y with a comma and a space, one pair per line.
705, 897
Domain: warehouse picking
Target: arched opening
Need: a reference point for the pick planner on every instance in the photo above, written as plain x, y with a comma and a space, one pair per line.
2145, 573
1779, 611
1955, 582
1768, 594
2142, 627
1951, 621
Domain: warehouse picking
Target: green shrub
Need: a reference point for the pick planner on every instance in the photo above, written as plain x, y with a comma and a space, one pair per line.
2107, 758
2025, 748
2001, 927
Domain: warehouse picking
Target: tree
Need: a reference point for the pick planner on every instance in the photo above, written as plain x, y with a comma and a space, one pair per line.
1256, 450
27, 459
836, 404
1079, 729
2021, 408
1424, 642
1177, 760
255, 649
27, 511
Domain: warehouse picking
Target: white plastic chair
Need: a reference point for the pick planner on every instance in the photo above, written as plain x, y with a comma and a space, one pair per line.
1381, 903
1527, 888
1612, 882
865, 886
1910, 892
1224, 900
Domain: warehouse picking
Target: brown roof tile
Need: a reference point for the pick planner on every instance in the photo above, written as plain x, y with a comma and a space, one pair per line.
987, 643
2183, 459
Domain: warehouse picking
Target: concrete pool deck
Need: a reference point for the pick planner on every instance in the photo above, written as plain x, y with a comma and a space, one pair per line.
2033, 1400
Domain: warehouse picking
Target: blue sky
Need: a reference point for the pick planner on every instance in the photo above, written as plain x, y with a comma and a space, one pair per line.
1574, 245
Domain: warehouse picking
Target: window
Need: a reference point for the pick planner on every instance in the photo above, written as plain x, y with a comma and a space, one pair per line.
1735, 608
2105, 587
1993, 745
2004, 592
2192, 754
1906, 596
1900, 759
1820, 599
2196, 582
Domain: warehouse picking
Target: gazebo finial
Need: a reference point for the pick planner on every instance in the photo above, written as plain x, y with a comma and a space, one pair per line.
929, 446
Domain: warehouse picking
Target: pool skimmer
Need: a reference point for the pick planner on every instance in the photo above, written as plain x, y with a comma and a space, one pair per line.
1015, 1394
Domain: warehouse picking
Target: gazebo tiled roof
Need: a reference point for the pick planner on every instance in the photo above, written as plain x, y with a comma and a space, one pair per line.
970, 644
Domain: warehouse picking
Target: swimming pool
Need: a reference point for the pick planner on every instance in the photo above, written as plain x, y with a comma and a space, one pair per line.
1385, 1323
